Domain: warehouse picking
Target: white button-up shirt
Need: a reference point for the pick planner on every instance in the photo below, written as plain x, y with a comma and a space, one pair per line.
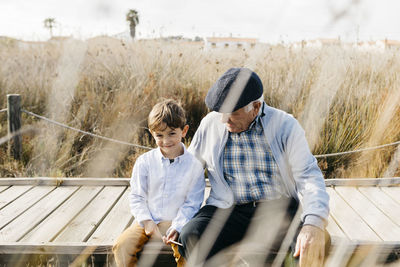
165, 191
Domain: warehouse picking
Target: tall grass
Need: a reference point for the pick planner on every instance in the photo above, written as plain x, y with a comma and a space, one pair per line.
344, 98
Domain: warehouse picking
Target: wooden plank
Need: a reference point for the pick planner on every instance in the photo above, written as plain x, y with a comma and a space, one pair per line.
23, 203
393, 192
54, 223
395, 181
33, 216
384, 202
349, 221
66, 181
363, 182
125, 181
69, 248
52, 248
375, 218
79, 229
83, 248
115, 222
334, 230
11, 194
2, 188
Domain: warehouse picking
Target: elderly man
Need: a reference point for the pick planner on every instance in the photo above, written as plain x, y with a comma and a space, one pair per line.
255, 155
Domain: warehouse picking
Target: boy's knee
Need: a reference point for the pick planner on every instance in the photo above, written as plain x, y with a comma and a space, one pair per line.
119, 245
119, 253
115, 248
126, 243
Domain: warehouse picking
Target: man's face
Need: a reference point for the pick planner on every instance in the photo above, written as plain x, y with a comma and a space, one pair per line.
240, 120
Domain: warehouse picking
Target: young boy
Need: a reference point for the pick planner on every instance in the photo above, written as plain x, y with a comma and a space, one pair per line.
167, 186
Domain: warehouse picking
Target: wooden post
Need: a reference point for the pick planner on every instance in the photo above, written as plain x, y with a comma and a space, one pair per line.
14, 125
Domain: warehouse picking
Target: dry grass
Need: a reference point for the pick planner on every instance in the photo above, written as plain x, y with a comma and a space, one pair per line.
345, 99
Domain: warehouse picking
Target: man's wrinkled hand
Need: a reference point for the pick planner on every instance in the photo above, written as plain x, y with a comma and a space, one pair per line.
310, 246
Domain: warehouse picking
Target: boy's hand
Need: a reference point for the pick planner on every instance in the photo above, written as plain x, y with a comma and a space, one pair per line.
151, 229
172, 235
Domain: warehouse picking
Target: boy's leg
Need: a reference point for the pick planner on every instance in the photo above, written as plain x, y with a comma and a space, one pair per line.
180, 261
128, 244
164, 226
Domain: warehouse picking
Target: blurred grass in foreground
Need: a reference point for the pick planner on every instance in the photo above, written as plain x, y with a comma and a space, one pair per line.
345, 99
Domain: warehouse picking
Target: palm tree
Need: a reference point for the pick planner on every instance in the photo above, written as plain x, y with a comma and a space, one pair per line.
49, 23
133, 18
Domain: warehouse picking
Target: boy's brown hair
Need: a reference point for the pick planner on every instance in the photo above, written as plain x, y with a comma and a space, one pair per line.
167, 113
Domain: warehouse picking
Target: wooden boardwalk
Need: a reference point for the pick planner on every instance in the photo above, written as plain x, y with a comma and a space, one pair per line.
83, 215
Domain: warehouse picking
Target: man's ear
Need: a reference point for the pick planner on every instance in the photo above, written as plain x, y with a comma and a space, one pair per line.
257, 106
185, 130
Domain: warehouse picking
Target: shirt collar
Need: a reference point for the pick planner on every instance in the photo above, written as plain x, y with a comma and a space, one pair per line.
178, 159
257, 120
255, 125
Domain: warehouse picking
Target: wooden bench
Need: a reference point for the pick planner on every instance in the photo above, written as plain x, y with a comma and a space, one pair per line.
77, 219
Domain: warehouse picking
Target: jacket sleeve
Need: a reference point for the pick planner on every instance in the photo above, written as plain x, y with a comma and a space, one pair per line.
139, 189
195, 145
308, 178
193, 200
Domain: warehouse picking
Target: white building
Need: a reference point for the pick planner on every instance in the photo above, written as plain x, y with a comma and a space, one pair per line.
229, 42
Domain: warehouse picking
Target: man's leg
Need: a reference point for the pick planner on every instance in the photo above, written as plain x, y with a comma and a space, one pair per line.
229, 225
291, 214
236, 224
193, 230
234, 229
269, 233
128, 244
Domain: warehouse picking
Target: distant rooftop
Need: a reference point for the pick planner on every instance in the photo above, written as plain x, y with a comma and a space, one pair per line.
231, 39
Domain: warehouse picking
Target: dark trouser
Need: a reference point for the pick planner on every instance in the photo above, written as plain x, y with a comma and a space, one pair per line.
218, 229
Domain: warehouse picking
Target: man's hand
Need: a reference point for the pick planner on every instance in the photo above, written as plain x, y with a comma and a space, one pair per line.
151, 229
310, 246
172, 235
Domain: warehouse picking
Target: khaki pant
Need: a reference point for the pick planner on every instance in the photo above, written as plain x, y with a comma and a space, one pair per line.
132, 241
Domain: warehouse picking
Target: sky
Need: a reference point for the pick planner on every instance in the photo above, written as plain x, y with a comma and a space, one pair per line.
268, 20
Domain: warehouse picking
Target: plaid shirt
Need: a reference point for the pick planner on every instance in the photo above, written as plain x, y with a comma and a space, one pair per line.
249, 167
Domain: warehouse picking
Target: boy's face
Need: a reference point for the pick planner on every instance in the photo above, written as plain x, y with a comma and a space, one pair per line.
169, 141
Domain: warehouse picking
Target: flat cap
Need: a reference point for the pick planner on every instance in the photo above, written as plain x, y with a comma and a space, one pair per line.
236, 88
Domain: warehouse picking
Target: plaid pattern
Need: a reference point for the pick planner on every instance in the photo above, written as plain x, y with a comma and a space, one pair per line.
249, 167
